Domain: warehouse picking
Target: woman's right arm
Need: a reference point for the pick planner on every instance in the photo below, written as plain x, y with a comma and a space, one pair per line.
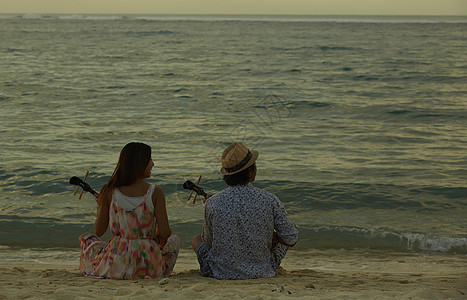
102, 219
160, 211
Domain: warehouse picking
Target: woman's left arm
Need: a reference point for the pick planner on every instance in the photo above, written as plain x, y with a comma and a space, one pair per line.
160, 212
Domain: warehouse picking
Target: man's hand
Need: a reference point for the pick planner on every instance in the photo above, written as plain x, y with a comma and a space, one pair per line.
207, 197
276, 239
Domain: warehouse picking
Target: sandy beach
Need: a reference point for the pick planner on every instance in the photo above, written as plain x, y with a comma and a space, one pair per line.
305, 275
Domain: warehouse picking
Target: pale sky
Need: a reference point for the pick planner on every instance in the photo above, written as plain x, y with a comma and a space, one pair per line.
294, 7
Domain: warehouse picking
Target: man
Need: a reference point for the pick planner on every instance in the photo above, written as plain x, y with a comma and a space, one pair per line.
246, 232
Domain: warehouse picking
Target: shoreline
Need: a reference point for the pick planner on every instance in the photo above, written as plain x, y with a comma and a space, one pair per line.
315, 274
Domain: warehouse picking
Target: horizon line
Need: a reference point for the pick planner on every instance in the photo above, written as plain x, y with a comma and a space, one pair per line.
234, 14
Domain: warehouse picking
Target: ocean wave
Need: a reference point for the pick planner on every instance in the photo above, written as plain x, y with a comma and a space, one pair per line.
91, 17
33, 16
322, 48
254, 18
307, 18
343, 237
65, 17
419, 241
149, 33
17, 232
44, 233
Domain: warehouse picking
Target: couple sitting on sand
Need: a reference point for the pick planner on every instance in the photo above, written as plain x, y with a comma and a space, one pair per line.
246, 232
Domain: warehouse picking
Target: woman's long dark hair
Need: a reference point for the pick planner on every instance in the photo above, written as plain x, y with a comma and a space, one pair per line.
133, 160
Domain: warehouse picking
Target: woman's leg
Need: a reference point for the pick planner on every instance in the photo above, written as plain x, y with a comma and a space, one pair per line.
91, 247
170, 253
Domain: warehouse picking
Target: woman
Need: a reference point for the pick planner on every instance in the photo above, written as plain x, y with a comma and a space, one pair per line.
142, 245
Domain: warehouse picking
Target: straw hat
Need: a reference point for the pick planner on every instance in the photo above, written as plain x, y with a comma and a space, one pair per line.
237, 158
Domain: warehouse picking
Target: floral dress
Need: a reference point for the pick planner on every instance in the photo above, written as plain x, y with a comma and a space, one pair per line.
134, 251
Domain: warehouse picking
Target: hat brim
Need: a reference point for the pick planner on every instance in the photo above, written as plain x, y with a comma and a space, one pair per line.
254, 157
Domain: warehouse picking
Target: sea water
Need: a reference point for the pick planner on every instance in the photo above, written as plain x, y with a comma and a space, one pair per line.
360, 122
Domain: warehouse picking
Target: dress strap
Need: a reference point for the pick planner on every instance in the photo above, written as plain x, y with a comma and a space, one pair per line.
148, 197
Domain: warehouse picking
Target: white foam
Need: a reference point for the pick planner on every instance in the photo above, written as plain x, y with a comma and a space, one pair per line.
90, 17
32, 16
436, 244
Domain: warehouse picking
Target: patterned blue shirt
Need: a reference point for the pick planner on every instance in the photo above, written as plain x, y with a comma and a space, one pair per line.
237, 234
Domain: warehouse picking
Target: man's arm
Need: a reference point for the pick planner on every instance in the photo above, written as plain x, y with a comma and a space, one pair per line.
207, 226
286, 233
